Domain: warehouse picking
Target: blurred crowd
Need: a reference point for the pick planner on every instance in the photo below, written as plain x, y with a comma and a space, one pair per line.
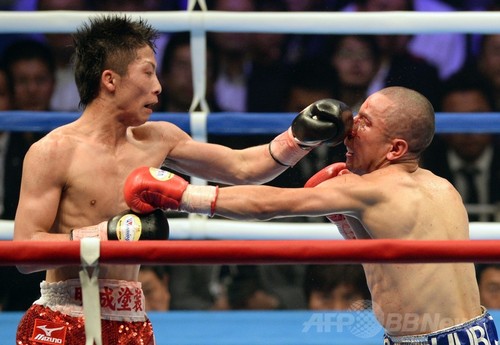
282, 73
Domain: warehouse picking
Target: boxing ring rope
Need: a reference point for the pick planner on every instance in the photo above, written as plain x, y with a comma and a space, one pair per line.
257, 251
195, 252
221, 229
396, 22
235, 123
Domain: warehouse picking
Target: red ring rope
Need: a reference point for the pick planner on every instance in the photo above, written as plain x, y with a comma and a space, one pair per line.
254, 252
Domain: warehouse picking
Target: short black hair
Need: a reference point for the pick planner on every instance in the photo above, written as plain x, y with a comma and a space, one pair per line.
107, 42
480, 268
469, 79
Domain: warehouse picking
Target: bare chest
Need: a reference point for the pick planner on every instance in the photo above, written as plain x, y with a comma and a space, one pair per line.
95, 181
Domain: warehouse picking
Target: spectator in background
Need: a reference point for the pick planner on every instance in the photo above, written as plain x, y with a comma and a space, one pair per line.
470, 161
446, 51
198, 287
335, 287
234, 60
154, 280
399, 67
488, 279
284, 283
30, 70
269, 75
222, 287
65, 96
402, 65
251, 74
304, 46
30, 67
246, 291
474, 39
176, 75
488, 62
7, 39
356, 61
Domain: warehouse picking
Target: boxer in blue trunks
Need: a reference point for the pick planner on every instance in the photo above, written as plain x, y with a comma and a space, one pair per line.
480, 330
380, 192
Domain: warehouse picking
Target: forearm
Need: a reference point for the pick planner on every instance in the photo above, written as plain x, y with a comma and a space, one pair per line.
252, 202
259, 166
149, 188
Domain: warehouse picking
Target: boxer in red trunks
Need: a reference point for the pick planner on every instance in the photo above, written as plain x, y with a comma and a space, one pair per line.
74, 176
57, 317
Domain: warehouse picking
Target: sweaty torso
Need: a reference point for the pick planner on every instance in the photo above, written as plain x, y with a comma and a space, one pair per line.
95, 174
418, 298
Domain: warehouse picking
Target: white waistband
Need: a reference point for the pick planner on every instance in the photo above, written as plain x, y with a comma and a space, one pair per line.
120, 300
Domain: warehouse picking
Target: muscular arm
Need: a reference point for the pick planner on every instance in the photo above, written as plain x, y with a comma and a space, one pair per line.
212, 162
323, 121
265, 202
41, 188
222, 164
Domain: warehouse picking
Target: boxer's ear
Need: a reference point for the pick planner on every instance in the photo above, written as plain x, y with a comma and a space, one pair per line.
398, 149
108, 80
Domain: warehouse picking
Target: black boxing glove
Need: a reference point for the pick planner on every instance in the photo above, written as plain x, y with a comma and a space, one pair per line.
324, 121
127, 226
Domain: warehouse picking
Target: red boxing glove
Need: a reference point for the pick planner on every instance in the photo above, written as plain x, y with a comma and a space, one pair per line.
331, 171
147, 189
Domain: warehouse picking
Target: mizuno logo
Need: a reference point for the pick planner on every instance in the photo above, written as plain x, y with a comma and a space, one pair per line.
48, 331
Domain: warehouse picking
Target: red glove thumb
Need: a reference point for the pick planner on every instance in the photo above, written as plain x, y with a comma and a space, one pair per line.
331, 171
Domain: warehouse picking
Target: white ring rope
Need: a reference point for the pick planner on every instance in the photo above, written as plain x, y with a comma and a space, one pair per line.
211, 229
395, 22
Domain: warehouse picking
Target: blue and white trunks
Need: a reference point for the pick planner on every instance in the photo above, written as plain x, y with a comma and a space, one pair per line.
478, 331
